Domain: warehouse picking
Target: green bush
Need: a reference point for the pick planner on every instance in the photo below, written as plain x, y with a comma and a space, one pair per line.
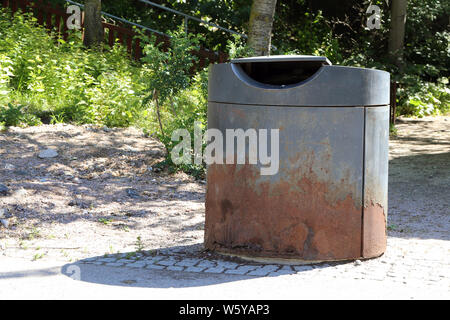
420, 98
15, 115
175, 98
51, 76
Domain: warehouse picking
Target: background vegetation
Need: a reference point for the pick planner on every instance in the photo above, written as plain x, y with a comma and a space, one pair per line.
44, 79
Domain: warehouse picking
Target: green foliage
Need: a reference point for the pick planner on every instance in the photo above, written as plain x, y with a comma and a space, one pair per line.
14, 115
190, 105
232, 14
428, 36
175, 99
419, 98
237, 48
63, 78
166, 70
44, 78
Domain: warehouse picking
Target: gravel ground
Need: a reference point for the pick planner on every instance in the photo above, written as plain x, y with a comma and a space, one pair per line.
101, 196
97, 196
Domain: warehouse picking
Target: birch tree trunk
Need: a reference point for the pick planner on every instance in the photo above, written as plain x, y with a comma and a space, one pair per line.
93, 28
261, 22
397, 32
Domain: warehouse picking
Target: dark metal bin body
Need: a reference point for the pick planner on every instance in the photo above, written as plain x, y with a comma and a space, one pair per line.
328, 200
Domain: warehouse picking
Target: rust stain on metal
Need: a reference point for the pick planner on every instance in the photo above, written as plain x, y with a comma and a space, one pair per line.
374, 231
287, 218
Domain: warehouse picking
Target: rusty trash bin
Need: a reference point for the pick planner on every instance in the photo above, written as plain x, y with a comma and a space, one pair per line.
328, 199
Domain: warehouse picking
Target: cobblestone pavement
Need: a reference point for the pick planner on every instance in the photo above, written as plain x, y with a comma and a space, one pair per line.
407, 261
418, 251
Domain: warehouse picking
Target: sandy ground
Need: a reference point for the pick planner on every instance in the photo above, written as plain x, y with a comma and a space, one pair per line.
97, 196
101, 194
419, 179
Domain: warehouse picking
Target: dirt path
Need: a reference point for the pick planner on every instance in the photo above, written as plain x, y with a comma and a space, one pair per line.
101, 193
419, 179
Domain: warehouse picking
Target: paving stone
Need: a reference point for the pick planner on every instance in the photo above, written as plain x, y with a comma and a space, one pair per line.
246, 268
107, 259
175, 268
215, 270
260, 272
154, 259
137, 264
114, 264
206, 264
167, 262
89, 259
154, 266
127, 260
234, 271
227, 264
282, 271
303, 268
194, 269
188, 262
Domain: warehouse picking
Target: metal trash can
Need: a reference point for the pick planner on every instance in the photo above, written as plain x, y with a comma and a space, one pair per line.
327, 200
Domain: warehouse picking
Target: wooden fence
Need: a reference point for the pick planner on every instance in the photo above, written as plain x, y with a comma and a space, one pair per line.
54, 18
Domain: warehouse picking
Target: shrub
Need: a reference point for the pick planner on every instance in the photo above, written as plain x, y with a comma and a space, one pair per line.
48, 75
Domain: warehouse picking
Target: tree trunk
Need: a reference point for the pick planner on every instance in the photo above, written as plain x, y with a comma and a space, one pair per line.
158, 114
397, 32
261, 22
93, 28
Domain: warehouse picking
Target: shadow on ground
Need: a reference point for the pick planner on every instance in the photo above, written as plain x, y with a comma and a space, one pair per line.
87, 271
419, 201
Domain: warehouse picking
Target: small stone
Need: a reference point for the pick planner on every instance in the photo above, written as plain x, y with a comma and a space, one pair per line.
5, 223
132, 193
20, 192
9, 166
2, 212
131, 149
48, 153
3, 190
358, 262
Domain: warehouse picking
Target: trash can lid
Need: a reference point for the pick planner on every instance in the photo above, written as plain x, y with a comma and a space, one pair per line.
284, 58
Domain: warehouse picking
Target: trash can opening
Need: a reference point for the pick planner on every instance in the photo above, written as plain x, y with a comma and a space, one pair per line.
280, 70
